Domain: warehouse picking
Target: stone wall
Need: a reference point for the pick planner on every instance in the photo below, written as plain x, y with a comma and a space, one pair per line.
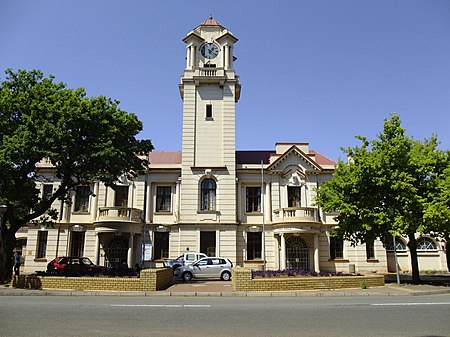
242, 281
149, 280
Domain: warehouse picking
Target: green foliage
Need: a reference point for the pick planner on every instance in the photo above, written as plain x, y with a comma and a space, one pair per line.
85, 139
393, 185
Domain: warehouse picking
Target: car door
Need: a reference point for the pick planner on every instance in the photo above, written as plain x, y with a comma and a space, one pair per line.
201, 268
216, 267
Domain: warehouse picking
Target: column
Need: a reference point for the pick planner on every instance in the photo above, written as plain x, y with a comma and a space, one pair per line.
96, 248
283, 252
316, 253
227, 56
176, 208
188, 57
149, 209
267, 202
239, 200
130, 251
94, 207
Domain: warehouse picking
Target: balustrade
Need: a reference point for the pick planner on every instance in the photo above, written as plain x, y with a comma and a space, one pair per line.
119, 214
293, 214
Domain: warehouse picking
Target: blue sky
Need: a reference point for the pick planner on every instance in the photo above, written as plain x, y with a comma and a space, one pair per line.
318, 71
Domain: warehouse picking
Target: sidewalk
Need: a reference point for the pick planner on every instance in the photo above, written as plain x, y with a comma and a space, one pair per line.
224, 289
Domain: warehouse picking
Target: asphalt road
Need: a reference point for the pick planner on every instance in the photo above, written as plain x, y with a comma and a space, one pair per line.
224, 316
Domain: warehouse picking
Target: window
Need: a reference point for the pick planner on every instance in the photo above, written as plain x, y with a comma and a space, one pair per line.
400, 245
294, 196
336, 248
82, 198
426, 244
77, 244
163, 198
41, 244
370, 250
121, 197
208, 195
209, 112
253, 199
47, 191
161, 245
254, 245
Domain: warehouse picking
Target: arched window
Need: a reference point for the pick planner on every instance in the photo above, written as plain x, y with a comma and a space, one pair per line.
208, 195
426, 244
400, 245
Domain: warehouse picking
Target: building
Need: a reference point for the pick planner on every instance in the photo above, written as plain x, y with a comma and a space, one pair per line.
255, 207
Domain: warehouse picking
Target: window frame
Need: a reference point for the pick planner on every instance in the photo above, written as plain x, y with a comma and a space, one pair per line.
41, 244
121, 195
208, 195
254, 246
370, 250
430, 242
82, 200
336, 248
252, 194
292, 192
209, 111
163, 199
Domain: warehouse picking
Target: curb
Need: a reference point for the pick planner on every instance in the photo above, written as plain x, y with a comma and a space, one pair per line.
385, 291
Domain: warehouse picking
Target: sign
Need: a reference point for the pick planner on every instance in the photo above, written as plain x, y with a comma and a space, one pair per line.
148, 252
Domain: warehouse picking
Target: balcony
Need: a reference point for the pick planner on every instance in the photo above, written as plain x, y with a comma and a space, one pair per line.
296, 214
119, 214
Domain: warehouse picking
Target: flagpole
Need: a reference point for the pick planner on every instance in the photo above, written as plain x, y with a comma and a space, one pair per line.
263, 217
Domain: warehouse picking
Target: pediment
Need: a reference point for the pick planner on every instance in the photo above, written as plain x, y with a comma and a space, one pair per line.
294, 161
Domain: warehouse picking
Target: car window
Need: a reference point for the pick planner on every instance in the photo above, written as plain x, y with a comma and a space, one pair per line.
217, 261
63, 260
190, 257
203, 262
86, 261
75, 261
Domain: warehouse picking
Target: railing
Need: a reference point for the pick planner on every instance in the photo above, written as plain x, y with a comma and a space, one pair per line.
296, 214
211, 72
123, 214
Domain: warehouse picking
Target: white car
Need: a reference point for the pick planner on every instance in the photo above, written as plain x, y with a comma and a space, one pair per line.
208, 267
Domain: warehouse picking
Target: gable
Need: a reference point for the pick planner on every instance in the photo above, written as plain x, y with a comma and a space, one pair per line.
294, 161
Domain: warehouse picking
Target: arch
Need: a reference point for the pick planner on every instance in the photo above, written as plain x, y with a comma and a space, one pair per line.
116, 252
208, 188
297, 253
426, 244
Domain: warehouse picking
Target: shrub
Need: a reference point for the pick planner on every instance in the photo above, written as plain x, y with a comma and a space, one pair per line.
296, 273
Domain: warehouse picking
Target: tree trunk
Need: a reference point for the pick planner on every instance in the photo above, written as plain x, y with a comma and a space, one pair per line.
7, 243
412, 245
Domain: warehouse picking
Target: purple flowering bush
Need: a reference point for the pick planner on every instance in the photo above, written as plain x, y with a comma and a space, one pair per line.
296, 273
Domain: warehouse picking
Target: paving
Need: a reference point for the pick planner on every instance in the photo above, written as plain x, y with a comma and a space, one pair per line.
224, 289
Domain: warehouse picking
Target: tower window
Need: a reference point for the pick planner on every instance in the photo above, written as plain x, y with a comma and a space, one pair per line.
209, 111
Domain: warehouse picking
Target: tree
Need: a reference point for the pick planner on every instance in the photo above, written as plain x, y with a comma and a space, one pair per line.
393, 185
85, 139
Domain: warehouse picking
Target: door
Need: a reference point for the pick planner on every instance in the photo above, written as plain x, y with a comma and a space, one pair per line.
297, 253
116, 252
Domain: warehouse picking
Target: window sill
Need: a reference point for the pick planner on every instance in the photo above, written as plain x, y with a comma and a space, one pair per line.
40, 259
162, 213
253, 213
208, 212
209, 119
339, 260
372, 261
81, 212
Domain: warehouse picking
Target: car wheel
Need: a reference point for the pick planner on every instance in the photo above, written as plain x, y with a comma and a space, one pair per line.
226, 276
187, 276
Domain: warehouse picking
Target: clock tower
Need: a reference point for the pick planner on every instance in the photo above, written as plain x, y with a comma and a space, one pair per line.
210, 90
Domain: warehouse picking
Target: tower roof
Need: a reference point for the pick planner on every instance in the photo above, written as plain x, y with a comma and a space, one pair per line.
211, 22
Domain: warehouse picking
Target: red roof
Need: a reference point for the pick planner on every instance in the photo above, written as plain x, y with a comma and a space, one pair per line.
210, 22
321, 159
164, 157
253, 157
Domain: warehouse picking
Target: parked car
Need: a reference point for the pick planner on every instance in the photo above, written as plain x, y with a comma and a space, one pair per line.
208, 267
183, 260
73, 265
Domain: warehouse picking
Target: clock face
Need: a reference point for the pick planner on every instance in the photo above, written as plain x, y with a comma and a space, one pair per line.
209, 50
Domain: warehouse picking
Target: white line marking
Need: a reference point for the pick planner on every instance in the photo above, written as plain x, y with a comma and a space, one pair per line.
163, 305
394, 304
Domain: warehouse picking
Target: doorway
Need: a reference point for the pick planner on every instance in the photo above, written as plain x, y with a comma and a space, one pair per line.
297, 253
208, 243
116, 252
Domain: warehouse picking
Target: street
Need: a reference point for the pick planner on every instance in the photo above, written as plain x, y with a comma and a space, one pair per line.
224, 316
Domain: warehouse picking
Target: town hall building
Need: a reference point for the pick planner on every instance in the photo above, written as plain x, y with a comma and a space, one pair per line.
256, 208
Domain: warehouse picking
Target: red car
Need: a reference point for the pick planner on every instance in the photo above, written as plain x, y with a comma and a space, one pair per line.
73, 265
